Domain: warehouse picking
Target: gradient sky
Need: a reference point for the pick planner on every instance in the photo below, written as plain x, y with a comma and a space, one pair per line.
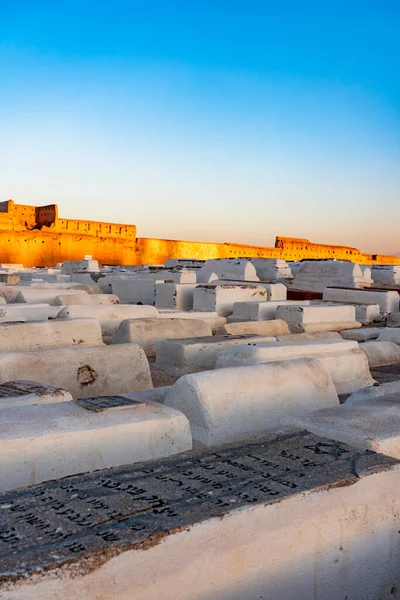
210, 120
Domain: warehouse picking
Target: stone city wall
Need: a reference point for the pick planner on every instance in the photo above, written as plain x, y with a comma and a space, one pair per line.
36, 236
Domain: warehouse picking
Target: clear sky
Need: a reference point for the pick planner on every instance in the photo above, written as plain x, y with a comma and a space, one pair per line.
211, 120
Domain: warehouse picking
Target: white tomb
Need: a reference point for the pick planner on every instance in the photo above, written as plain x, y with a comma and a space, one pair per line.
109, 316
388, 301
43, 442
346, 364
272, 269
175, 296
316, 275
228, 268
146, 332
229, 405
380, 353
221, 298
215, 321
37, 296
372, 424
318, 317
38, 335
195, 354
66, 300
82, 371
132, 291
261, 311
274, 327
386, 274
76, 266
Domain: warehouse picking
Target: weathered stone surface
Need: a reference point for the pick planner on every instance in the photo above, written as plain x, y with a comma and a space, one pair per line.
221, 298
370, 424
95, 516
28, 295
342, 359
28, 312
196, 354
215, 321
175, 296
273, 328
69, 299
260, 311
388, 301
43, 442
381, 354
228, 405
361, 335
374, 391
388, 334
393, 320
40, 335
304, 337
109, 316
368, 313
146, 332
318, 317
25, 393
84, 372
317, 275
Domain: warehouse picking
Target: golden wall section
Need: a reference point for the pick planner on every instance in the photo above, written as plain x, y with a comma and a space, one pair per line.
36, 236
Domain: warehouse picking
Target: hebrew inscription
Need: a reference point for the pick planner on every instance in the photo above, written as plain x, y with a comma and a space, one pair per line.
103, 512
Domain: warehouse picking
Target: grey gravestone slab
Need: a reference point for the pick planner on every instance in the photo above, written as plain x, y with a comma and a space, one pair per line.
89, 518
13, 389
101, 403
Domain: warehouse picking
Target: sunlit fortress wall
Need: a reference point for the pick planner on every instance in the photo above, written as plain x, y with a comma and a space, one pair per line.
36, 236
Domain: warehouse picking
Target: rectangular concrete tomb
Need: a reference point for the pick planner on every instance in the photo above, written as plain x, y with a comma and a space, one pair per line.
192, 354
109, 316
274, 327
346, 364
241, 520
388, 301
227, 405
47, 441
68, 299
221, 298
29, 295
175, 296
28, 312
215, 321
40, 335
132, 291
84, 372
261, 311
146, 332
318, 317
371, 424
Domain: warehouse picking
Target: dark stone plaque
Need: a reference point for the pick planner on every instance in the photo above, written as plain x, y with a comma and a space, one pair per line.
98, 515
12, 389
107, 402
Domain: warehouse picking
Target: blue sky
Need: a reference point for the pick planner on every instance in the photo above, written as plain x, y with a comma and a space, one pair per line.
221, 121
